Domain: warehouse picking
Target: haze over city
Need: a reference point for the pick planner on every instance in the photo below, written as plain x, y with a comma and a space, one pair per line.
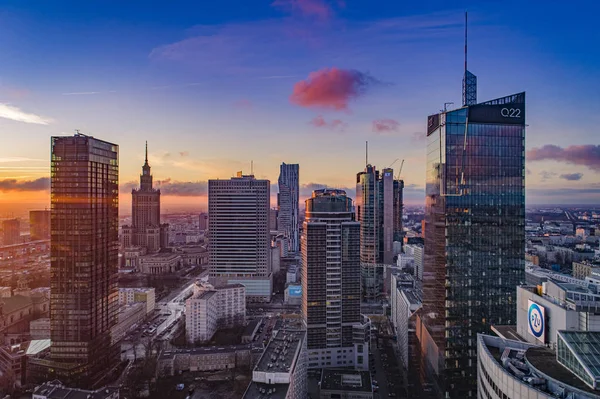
215, 86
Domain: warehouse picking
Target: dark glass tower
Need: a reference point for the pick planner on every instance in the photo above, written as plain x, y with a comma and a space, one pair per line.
287, 203
84, 250
474, 234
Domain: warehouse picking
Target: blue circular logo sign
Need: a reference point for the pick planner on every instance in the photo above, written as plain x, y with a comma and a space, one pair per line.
536, 320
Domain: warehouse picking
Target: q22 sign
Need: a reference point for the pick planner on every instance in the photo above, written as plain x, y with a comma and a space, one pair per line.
510, 112
537, 321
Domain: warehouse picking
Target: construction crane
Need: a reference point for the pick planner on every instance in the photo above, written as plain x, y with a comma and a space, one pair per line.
392, 164
400, 170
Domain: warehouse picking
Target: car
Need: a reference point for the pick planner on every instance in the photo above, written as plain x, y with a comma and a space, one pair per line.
179, 387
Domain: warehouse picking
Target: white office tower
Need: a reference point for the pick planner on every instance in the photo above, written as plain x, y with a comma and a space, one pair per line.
416, 252
287, 203
240, 245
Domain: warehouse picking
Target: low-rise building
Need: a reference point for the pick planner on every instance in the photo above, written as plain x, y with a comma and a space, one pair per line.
13, 360
5, 292
583, 269
56, 390
17, 311
160, 263
129, 316
132, 295
211, 308
344, 383
209, 358
293, 294
281, 371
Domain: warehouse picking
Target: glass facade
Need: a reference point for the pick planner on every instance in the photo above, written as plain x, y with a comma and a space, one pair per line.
474, 232
84, 256
579, 351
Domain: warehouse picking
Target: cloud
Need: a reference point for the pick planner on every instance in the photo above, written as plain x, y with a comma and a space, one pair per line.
172, 187
81, 93
418, 136
571, 176
336, 124
184, 153
385, 126
41, 184
9, 112
307, 8
243, 104
547, 175
331, 88
585, 155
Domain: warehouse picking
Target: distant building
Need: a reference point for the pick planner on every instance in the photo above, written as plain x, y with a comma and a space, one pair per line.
281, 371
240, 241
146, 230
160, 263
13, 360
212, 308
210, 358
583, 269
287, 203
39, 328
344, 383
11, 232
5, 292
203, 221
39, 225
337, 334
273, 219
293, 294
17, 311
56, 390
417, 252
133, 295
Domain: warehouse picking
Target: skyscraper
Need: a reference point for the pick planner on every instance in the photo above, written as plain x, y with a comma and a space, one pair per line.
84, 256
39, 225
379, 211
287, 202
145, 231
474, 234
11, 232
337, 333
240, 241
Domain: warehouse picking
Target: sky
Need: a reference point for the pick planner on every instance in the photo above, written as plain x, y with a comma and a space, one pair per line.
215, 85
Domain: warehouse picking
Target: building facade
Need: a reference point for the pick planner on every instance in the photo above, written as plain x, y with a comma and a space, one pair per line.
39, 225
84, 251
474, 233
159, 263
203, 221
240, 244
379, 212
287, 203
146, 230
147, 296
11, 232
331, 282
212, 308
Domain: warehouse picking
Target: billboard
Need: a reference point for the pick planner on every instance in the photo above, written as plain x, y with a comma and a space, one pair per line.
433, 122
295, 290
536, 319
504, 114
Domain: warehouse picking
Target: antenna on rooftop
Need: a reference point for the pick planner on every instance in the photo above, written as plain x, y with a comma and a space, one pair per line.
252, 168
469, 83
366, 153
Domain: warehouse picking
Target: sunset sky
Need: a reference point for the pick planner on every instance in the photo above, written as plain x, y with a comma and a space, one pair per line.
215, 85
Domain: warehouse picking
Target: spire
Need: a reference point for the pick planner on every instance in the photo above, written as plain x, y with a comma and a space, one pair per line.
469, 83
146, 152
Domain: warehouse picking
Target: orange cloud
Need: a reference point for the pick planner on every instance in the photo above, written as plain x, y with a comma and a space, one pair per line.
335, 124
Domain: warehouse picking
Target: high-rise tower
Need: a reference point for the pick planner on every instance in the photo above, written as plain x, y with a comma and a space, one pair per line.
287, 203
84, 255
337, 334
474, 234
146, 230
240, 240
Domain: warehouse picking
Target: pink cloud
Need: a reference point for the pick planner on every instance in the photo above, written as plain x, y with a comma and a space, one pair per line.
243, 103
586, 155
336, 124
309, 8
385, 126
331, 88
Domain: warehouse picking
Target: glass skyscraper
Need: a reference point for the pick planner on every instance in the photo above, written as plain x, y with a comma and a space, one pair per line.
287, 203
474, 234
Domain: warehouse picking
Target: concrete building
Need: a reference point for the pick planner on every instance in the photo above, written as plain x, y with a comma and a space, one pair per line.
84, 292
346, 384
129, 317
203, 221
133, 295
17, 312
39, 225
146, 230
39, 328
281, 371
513, 369
13, 361
337, 333
583, 269
210, 358
273, 219
212, 308
240, 241
56, 390
291, 274
287, 204
416, 251
405, 301
11, 232
293, 294
160, 263
5, 292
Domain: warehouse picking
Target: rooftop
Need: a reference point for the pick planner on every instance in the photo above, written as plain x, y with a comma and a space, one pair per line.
346, 380
257, 390
507, 332
56, 390
249, 330
203, 351
280, 353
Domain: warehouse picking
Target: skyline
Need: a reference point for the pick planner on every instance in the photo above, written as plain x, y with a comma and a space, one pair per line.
281, 76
